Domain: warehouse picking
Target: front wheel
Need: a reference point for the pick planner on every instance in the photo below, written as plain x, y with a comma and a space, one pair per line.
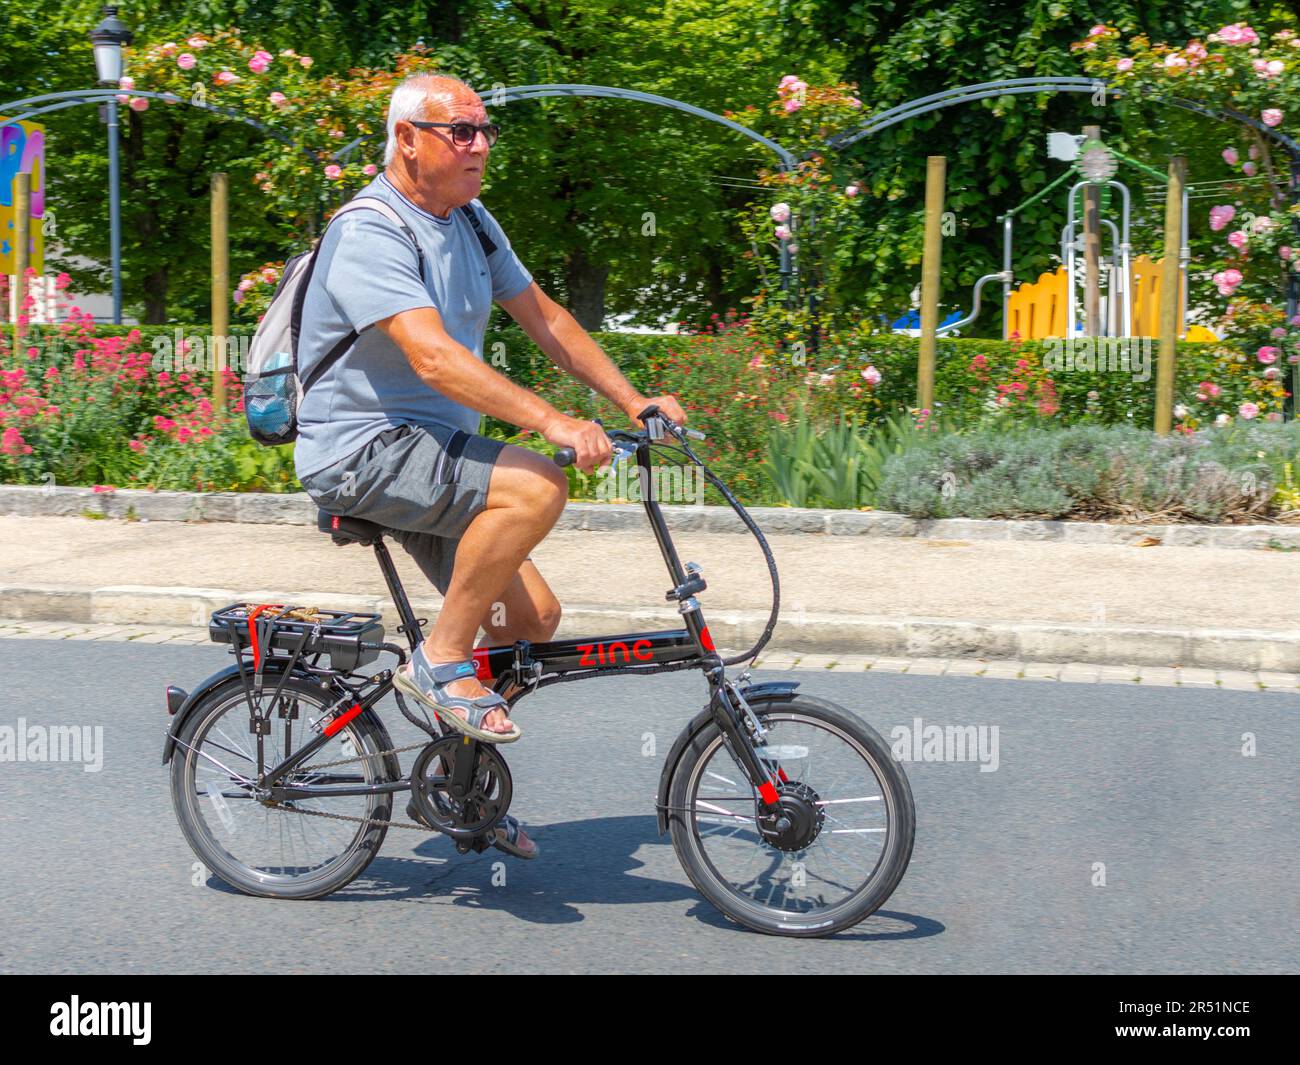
848, 815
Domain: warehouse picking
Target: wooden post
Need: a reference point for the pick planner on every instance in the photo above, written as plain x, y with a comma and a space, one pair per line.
1169, 295
1092, 248
22, 252
220, 287
936, 172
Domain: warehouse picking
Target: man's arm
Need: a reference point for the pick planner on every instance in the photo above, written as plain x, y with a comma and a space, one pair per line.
449, 367
570, 347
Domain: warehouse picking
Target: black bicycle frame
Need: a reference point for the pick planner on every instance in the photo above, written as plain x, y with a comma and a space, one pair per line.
524, 663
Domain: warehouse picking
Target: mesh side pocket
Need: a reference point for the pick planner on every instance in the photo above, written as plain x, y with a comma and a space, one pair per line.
271, 406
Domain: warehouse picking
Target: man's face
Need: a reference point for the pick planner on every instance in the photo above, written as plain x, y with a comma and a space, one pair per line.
448, 171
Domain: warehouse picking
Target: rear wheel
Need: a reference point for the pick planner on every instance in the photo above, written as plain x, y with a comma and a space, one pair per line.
278, 850
848, 813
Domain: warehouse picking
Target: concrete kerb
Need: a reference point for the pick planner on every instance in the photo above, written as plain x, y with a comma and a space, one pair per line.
298, 509
806, 633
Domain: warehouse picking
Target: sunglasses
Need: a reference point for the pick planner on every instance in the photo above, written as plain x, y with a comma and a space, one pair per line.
462, 133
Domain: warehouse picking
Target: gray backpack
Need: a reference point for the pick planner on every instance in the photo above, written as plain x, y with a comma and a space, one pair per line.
272, 388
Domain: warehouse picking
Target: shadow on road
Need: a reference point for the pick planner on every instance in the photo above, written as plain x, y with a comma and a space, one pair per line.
610, 861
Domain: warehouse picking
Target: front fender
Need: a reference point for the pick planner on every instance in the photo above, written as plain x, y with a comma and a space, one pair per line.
752, 693
193, 699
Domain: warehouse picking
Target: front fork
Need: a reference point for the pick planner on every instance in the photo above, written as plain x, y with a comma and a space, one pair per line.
743, 733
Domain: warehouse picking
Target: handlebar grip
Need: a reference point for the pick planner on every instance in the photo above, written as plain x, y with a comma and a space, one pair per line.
565, 456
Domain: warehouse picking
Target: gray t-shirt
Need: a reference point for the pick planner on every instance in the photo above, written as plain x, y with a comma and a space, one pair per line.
367, 269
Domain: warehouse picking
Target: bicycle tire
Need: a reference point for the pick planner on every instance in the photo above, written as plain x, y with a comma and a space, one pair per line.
367, 735
896, 794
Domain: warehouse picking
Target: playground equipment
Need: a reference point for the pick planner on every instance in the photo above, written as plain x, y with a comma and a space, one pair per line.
1129, 287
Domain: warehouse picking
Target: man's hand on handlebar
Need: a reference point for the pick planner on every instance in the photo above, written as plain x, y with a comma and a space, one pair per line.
668, 407
587, 439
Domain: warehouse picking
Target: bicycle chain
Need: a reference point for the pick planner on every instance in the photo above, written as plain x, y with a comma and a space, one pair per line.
349, 817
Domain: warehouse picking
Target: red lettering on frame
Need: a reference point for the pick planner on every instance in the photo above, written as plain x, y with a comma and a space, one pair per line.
641, 649
614, 647
585, 648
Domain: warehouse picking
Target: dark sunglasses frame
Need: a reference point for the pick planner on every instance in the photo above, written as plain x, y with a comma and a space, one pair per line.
490, 130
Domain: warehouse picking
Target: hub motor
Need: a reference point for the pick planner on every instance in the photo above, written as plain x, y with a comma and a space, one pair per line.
798, 821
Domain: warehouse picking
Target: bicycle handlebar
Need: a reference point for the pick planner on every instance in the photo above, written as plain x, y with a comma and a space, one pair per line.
627, 440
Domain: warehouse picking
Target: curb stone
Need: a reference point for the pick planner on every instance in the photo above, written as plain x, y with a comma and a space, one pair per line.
263, 508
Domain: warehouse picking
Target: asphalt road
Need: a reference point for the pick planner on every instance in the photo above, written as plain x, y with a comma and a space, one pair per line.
1197, 842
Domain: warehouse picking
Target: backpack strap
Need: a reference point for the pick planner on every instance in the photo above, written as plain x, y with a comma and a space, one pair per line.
371, 203
476, 223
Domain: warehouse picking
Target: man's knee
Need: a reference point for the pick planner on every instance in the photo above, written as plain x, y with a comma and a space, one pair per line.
530, 482
538, 626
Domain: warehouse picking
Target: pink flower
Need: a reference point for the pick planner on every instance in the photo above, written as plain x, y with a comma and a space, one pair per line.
1174, 61
780, 417
1196, 50
238, 295
126, 83
1267, 354
1278, 334
1248, 169
782, 232
224, 77
103, 488
1210, 389
62, 281
258, 66
780, 212
1230, 156
305, 61
1272, 373
1237, 33
1237, 238
1124, 65
196, 42
1284, 253
246, 284
1221, 216
1271, 116
1232, 276
1262, 224
793, 249
850, 190
333, 172
11, 443
278, 99
135, 445
185, 61
872, 376
1248, 410
1097, 30
370, 170
139, 103
792, 104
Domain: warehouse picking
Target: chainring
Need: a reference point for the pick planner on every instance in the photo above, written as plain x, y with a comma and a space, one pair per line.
478, 811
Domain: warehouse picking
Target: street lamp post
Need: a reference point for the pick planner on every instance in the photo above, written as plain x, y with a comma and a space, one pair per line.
108, 38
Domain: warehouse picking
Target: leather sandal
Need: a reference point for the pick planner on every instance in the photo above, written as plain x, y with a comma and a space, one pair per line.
427, 682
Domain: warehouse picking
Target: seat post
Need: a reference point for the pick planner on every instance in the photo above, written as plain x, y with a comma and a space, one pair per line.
409, 622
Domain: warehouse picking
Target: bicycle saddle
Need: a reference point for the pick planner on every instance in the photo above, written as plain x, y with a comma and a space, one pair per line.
345, 530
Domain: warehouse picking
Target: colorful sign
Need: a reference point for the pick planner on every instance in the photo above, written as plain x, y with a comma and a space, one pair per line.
22, 151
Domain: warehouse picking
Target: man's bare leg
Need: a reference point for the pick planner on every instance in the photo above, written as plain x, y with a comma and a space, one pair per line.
526, 496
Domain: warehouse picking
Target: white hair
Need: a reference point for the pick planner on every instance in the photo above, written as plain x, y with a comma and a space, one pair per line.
410, 100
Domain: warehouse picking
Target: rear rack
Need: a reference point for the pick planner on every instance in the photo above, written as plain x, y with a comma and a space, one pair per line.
276, 630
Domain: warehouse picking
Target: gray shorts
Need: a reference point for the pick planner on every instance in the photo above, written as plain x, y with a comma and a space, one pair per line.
425, 484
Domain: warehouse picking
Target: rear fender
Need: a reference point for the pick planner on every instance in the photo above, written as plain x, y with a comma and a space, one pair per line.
753, 693
202, 691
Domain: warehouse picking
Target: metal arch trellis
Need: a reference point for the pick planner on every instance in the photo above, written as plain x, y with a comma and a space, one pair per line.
496, 96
